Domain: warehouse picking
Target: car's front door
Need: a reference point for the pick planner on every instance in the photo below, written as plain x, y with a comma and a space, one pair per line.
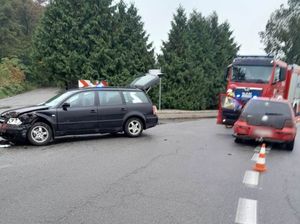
80, 116
111, 110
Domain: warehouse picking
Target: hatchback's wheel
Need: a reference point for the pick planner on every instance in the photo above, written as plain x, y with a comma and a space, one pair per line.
133, 127
238, 140
290, 145
39, 134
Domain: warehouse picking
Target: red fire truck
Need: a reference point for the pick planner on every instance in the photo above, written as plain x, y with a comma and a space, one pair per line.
292, 92
257, 76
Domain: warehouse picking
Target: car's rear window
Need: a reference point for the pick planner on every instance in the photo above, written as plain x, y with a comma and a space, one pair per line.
262, 107
135, 97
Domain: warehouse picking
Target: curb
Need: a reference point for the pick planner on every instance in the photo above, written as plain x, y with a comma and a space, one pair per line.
180, 114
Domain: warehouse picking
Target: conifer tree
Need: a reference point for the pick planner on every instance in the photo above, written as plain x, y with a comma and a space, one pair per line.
194, 57
92, 40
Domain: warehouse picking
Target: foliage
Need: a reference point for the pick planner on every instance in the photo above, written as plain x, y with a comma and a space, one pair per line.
92, 40
282, 36
12, 77
193, 60
18, 19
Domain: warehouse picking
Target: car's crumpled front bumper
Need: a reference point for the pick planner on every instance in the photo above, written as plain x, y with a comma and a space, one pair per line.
13, 132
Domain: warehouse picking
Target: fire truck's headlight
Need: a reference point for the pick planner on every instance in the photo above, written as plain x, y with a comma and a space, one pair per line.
14, 121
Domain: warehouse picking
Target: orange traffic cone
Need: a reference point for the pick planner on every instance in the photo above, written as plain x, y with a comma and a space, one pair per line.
260, 165
262, 152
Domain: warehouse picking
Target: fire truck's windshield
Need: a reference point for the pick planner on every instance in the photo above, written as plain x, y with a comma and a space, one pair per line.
251, 74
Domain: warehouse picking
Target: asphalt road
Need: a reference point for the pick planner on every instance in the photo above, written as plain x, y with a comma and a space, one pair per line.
179, 172
28, 98
188, 172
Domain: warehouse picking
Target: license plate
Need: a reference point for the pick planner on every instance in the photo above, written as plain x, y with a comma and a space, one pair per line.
263, 133
246, 94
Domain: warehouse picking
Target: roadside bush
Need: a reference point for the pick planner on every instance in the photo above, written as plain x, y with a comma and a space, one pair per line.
12, 78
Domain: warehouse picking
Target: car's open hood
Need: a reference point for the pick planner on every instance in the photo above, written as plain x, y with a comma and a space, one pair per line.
18, 111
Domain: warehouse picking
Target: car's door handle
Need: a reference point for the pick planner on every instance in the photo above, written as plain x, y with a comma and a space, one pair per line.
93, 111
123, 109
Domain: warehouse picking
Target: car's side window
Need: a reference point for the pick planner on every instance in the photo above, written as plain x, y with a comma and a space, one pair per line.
84, 99
110, 98
134, 97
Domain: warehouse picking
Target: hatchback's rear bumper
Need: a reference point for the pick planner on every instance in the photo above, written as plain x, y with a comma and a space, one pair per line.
151, 121
248, 132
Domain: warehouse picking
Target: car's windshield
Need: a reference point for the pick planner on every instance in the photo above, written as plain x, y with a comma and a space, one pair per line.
271, 108
54, 101
251, 74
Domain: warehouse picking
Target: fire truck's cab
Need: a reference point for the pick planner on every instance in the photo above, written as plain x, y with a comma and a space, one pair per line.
248, 77
293, 88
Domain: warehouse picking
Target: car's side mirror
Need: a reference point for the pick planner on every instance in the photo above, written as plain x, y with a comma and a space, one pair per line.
65, 106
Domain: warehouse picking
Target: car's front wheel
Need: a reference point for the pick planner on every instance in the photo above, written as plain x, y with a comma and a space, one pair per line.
133, 127
39, 134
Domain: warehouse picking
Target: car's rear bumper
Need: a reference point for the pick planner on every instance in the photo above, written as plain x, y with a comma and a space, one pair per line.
13, 132
276, 135
151, 121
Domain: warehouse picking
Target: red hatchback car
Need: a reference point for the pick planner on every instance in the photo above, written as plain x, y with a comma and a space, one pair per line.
269, 120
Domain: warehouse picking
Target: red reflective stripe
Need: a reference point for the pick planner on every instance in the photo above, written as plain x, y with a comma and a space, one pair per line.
84, 83
104, 83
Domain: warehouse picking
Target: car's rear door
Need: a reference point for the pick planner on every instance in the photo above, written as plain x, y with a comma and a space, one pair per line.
112, 110
82, 115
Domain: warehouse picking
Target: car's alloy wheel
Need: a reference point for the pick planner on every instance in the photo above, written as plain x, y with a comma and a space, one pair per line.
134, 127
40, 134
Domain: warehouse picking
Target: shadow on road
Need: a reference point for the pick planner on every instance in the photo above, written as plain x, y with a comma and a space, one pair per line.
73, 139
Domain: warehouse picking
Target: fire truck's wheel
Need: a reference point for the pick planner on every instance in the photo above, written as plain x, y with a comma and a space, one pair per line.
290, 145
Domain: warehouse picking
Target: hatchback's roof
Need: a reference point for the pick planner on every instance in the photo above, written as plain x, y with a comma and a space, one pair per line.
271, 99
105, 88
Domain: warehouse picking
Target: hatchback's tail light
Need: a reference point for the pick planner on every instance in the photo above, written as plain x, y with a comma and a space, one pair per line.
289, 124
154, 109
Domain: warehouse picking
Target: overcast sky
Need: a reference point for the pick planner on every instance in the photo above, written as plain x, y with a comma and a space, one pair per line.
246, 18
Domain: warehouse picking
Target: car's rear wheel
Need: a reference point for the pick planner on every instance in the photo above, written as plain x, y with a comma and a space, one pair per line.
290, 145
133, 127
39, 134
238, 140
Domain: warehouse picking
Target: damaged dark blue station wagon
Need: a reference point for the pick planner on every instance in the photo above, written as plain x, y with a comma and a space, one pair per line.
78, 112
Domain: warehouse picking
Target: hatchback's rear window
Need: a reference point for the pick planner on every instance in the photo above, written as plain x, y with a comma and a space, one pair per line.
135, 97
262, 107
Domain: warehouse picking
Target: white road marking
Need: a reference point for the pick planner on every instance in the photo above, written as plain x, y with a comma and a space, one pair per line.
246, 211
5, 166
5, 146
251, 178
257, 149
255, 157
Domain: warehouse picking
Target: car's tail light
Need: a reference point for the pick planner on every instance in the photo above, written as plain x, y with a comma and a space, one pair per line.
154, 109
289, 124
